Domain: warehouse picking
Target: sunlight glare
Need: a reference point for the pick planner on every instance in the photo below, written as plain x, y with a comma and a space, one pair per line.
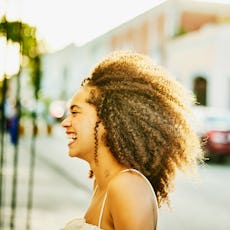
61, 22
9, 58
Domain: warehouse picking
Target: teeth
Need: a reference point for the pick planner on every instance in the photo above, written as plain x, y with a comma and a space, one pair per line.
72, 136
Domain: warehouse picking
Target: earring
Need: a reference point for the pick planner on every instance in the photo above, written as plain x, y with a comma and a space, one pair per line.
91, 174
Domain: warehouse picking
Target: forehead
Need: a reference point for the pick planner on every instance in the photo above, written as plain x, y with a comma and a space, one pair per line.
81, 96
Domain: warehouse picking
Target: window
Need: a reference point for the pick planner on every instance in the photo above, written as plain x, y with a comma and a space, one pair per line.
200, 90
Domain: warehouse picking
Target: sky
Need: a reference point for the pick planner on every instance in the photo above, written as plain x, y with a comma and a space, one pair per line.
61, 22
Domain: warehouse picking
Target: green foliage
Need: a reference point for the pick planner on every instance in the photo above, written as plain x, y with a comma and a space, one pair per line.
25, 35
21, 33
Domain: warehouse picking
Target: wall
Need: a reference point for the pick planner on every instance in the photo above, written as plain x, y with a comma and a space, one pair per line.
206, 53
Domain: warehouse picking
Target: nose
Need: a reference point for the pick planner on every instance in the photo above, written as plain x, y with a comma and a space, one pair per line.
66, 122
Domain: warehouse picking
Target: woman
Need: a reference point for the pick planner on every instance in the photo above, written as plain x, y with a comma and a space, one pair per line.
131, 122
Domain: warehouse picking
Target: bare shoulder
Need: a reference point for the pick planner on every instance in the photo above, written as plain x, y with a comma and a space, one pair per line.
131, 202
129, 183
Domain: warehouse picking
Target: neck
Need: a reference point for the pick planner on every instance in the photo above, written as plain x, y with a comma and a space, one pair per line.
106, 168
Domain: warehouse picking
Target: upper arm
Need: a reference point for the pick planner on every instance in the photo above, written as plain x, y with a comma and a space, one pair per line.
131, 204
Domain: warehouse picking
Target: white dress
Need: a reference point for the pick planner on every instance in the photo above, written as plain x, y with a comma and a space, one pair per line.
80, 223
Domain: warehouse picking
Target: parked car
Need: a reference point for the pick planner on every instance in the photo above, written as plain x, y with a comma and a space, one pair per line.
218, 141
214, 128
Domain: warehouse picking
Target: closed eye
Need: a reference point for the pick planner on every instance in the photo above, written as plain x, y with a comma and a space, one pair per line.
74, 112
74, 109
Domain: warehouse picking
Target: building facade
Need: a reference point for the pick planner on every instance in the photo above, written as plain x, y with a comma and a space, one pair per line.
189, 38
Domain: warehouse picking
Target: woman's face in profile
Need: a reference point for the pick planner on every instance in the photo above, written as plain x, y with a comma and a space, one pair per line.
80, 126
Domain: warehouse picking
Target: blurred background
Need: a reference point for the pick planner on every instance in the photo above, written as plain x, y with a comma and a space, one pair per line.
48, 47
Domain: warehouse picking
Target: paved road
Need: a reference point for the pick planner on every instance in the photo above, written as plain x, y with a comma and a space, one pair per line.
62, 191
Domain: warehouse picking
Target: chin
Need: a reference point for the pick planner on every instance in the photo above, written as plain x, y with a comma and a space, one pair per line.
72, 154
77, 154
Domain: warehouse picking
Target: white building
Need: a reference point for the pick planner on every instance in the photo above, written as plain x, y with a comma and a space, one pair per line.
203, 56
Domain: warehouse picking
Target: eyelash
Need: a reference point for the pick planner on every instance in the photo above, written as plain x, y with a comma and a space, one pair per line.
74, 112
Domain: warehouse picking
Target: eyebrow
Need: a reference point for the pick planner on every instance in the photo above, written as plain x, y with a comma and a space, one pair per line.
74, 107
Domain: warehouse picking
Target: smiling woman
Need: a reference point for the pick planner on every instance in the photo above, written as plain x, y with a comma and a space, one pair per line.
129, 121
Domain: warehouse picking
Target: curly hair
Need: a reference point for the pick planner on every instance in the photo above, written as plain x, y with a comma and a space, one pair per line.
147, 118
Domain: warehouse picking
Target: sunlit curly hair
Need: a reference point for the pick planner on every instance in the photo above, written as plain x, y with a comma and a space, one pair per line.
147, 118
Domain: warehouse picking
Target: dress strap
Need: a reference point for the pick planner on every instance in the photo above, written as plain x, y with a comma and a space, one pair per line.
95, 190
101, 211
144, 177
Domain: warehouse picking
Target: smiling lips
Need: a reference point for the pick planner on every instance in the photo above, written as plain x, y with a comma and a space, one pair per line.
72, 137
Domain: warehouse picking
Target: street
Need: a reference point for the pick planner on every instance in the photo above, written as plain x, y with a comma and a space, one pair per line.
62, 190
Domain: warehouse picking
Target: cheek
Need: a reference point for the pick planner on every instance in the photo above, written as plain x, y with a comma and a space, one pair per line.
85, 128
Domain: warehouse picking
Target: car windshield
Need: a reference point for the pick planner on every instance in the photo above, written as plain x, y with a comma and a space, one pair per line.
210, 118
217, 123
